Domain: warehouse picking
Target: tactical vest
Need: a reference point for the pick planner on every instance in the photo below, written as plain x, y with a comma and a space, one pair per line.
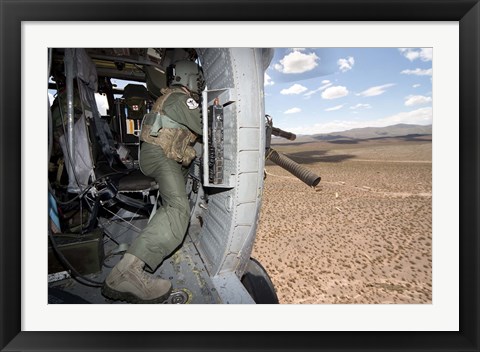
156, 119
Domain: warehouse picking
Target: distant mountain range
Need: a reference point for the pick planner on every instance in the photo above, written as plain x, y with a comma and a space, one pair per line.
399, 130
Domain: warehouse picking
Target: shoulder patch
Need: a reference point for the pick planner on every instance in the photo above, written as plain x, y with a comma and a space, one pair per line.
191, 104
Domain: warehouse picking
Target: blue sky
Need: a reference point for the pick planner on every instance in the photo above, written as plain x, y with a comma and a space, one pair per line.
322, 90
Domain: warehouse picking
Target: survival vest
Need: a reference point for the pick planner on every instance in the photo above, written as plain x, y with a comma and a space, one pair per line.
156, 119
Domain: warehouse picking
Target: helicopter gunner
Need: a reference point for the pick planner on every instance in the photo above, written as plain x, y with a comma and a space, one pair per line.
168, 133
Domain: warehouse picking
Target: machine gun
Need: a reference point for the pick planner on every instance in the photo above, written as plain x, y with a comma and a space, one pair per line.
302, 173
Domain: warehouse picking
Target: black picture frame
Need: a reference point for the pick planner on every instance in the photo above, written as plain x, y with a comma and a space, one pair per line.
467, 12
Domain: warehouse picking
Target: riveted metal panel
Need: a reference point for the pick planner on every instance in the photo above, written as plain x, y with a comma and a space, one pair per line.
233, 213
217, 65
231, 290
217, 227
249, 161
248, 139
239, 253
230, 140
247, 187
245, 213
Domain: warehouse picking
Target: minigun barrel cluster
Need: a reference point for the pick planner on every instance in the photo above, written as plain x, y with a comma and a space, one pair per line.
281, 133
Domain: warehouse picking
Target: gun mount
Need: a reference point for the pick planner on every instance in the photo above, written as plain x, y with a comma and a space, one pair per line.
299, 171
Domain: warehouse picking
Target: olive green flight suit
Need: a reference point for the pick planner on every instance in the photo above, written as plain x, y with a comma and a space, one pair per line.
167, 228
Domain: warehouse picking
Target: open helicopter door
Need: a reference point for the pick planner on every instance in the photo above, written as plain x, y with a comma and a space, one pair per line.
233, 169
213, 264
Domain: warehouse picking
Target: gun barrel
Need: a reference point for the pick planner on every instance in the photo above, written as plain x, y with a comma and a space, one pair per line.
305, 175
281, 133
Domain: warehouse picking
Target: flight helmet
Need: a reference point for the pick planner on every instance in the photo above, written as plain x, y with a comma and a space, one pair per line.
188, 74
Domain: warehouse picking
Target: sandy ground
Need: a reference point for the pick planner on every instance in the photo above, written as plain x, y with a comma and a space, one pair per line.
364, 235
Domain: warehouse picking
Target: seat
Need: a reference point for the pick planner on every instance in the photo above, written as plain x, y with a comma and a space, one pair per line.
136, 99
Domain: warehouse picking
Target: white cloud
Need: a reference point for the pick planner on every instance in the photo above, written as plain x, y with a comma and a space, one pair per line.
374, 91
325, 85
325, 81
413, 100
338, 107
268, 80
346, 64
292, 111
424, 54
421, 116
409, 53
335, 92
297, 62
295, 89
416, 85
361, 106
418, 72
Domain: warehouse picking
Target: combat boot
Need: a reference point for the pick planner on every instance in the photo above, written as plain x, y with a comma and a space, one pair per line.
129, 282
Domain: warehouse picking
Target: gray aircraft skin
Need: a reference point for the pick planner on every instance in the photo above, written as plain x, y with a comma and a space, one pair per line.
113, 200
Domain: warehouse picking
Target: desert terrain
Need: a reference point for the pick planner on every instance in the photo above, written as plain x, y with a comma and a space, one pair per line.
363, 235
